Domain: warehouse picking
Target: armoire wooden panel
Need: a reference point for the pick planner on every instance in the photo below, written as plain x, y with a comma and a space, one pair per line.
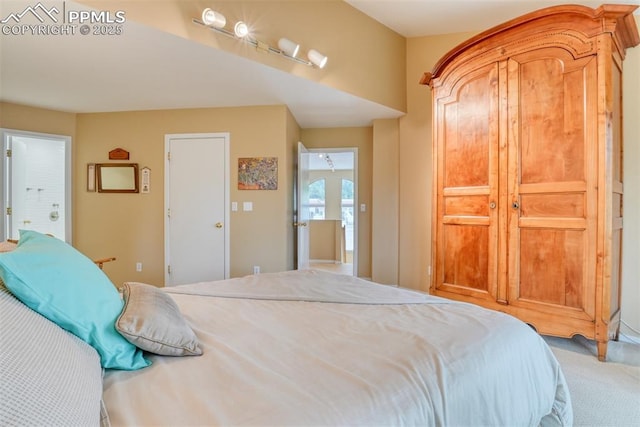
527, 149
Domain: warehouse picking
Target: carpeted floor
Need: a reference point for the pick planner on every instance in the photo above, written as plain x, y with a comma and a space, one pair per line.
603, 394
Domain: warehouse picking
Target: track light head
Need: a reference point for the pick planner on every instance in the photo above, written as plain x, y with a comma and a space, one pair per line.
288, 47
316, 58
213, 19
241, 29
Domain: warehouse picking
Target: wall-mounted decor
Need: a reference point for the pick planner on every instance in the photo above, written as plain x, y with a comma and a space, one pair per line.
145, 180
118, 154
117, 177
91, 177
258, 173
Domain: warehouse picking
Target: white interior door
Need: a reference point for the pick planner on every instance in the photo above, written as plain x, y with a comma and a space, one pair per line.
303, 207
196, 203
36, 184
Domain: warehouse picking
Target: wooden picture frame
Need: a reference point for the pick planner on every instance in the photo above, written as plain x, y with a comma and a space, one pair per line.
117, 177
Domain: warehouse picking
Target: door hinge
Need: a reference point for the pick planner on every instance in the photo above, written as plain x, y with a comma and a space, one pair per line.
9, 211
9, 153
169, 213
168, 155
168, 269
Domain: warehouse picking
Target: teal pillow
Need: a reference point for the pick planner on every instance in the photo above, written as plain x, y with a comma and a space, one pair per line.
66, 287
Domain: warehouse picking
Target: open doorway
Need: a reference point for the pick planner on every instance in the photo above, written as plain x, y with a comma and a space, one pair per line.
36, 184
332, 217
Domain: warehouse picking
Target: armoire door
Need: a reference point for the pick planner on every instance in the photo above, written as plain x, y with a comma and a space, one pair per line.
466, 202
552, 183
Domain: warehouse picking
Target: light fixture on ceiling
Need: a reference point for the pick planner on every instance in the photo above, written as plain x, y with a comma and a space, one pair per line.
288, 49
241, 29
318, 59
214, 19
330, 163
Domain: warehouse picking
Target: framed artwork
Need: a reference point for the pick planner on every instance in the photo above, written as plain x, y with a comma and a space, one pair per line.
258, 173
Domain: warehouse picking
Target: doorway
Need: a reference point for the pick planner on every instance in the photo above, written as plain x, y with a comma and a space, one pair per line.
331, 198
196, 207
36, 184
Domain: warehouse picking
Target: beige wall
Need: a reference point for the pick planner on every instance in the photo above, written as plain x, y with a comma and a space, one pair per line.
325, 240
21, 117
385, 206
131, 226
362, 139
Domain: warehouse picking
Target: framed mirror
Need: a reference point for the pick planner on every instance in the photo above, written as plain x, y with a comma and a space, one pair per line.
117, 177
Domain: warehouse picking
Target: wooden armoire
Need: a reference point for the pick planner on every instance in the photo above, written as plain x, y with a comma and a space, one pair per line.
528, 172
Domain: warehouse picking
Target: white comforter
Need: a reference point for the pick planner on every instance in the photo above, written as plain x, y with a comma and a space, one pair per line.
313, 348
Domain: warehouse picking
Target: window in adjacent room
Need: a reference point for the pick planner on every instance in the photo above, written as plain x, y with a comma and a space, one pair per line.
317, 199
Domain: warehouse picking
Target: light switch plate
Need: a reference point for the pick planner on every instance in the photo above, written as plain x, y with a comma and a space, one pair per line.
234, 206
247, 206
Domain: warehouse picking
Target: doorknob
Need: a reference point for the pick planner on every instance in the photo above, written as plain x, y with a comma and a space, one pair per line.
218, 225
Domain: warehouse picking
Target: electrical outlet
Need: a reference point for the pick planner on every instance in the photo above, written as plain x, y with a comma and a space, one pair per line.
256, 269
138, 266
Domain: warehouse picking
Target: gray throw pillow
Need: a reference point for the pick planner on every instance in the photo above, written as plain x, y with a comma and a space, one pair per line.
151, 320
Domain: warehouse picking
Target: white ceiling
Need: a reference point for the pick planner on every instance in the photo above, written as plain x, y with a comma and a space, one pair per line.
416, 18
148, 69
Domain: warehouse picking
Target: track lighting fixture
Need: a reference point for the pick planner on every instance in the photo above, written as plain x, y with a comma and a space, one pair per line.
330, 163
213, 19
318, 59
289, 49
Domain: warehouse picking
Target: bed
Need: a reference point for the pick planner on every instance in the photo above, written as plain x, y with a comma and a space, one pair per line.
303, 348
